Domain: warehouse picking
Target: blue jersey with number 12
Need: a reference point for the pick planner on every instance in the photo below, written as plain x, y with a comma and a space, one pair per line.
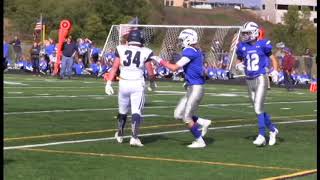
254, 57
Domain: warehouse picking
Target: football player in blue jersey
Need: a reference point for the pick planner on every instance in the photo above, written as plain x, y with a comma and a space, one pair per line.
252, 54
192, 64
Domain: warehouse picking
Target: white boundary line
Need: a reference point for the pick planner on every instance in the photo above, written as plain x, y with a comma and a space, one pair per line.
144, 135
152, 107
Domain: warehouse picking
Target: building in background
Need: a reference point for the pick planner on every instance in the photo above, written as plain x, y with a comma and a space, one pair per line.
274, 10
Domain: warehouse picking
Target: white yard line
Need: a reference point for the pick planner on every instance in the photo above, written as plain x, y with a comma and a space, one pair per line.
152, 107
144, 135
14, 83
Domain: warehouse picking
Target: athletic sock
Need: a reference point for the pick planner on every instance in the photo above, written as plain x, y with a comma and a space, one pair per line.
122, 119
261, 124
268, 123
136, 119
199, 120
195, 130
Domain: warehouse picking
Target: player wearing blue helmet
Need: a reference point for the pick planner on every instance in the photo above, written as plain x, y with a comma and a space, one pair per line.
131, 59
252, 54
192, 64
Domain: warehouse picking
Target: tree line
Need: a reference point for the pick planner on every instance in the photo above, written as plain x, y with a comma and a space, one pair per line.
90, 18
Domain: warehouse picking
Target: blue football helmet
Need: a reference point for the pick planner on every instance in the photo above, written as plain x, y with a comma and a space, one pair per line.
135, 37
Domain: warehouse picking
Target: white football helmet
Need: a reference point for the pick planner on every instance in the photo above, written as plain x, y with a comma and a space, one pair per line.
249, 32
188, 37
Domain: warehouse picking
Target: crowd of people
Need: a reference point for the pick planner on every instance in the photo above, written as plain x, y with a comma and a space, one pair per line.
86, 59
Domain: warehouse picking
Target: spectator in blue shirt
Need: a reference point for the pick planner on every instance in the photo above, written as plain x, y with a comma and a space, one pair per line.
6, 48
78, 67
49, 53
95, 51
110, 55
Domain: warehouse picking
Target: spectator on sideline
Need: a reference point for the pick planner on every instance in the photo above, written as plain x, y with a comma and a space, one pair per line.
288, 62
16, 48
69, 49
95, 51
35, 57
6, 50
110, 55
307, 57
49, 51
225, 60
279, 52
78, 67
83, 47
86, 56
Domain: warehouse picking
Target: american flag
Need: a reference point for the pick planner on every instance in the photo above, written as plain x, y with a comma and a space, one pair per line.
38, 26
125, 29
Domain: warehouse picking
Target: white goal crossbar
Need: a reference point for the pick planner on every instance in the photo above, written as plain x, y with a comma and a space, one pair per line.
216, 42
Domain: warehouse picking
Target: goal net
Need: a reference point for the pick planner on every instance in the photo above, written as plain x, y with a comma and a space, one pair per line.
217, 42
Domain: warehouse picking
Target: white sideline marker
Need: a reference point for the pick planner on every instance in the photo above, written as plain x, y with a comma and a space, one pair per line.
285, 108
144, 135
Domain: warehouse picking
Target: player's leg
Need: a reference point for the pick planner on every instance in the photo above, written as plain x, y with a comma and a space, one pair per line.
255, 96
260, 98
180, 111
137, 101
124, 103
63, 67
194, 95
259, 109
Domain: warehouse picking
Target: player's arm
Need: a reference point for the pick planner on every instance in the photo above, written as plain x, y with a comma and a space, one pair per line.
173, 67
275, 62
112, 75
114, 70
150, 71
240, 57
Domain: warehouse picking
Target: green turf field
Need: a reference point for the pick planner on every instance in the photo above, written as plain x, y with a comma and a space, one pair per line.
57, 129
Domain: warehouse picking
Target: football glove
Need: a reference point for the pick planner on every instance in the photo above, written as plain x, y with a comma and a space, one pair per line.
108, 88
274, 76
240, 67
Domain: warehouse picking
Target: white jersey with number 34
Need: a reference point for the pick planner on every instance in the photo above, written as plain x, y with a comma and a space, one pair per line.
132, 59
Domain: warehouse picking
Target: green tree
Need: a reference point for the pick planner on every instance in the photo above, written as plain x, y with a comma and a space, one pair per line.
298, 31
94, 29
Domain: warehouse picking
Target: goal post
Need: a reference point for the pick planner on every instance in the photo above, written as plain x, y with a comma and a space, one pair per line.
217, 42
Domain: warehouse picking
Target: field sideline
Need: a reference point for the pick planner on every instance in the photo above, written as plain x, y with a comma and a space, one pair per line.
64, 130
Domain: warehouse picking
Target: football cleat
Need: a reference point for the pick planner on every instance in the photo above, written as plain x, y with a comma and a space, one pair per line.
135, 142
205, 127
197, 144
272, 137
260, 140
118, 138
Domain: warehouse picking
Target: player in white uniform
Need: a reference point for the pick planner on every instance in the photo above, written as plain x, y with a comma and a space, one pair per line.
131, 60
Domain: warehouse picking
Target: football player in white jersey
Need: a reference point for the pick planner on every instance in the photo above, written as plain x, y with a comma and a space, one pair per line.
131, 59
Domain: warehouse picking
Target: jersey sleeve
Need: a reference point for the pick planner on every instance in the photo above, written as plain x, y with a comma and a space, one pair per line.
189, 53
149, 56
116, 53
240, 51
267, 47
